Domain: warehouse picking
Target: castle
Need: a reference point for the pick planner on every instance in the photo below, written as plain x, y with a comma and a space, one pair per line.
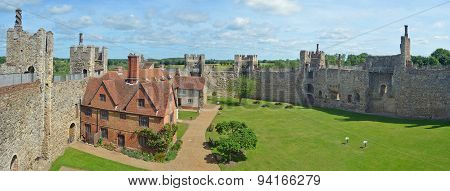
384, 85
41, 113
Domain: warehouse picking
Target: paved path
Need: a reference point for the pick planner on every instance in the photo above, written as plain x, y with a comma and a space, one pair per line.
191, 157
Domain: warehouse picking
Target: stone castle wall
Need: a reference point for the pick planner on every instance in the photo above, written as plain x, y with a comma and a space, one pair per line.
422, 93
66, 98
22, 122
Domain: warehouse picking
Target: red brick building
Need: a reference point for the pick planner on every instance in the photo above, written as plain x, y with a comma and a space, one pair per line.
116, 106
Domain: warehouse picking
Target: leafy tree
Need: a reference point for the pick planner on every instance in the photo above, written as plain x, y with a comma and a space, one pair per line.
61, 66
442, 55
2, 59
226, 127
354, 60
244, 87
158, 141
238, 138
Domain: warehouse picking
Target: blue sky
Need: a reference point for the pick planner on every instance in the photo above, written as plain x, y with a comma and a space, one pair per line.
273, 29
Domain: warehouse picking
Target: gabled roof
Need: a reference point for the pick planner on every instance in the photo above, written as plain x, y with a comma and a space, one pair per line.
121, 92
189, 82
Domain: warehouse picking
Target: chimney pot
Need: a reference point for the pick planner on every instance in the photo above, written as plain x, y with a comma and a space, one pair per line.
406, 30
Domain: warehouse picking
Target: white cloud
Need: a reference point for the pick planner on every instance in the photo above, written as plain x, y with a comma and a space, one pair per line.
280, 7
129, 22
60, 9
269, 40
239, 23
337, 34
192, 18
441, 37
10, 5
439, 24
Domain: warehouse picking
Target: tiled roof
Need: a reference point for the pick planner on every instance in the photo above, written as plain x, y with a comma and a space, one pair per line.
189, 82
121, 92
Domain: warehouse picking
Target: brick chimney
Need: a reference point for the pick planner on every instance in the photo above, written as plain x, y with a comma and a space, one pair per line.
133, 68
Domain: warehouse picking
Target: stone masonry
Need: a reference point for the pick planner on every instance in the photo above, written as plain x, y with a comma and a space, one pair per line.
88, 59
386, 85
38, 119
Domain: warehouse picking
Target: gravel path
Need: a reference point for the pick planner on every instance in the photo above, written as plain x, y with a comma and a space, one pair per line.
192, 156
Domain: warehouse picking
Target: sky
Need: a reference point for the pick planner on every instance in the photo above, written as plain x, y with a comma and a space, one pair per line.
272, 29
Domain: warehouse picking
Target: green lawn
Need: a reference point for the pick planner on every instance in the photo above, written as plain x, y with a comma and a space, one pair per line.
83, 161
312, 139
182, 127
187, 115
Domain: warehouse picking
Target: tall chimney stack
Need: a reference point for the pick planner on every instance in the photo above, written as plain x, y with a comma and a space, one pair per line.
406, 30
317, 48
18, 23
80, 40
133, 68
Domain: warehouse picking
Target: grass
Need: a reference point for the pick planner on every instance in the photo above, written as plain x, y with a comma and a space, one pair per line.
83, 161
312, 139
182, 127
187, 115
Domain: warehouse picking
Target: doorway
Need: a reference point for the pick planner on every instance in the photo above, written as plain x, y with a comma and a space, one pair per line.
121, 140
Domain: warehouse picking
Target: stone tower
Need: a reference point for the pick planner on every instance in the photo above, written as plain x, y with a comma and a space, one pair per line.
88, 60
28, 53
312, 59
405, 49
245, 64
194, 64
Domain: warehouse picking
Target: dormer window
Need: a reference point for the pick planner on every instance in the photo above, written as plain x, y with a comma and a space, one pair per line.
102, 97
141, 102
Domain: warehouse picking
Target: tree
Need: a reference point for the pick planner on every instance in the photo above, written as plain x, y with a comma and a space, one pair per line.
244, 87
442, 55
238, 138
354, 60
158, 141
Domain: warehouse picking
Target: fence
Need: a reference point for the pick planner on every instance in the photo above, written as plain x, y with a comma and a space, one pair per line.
14, 79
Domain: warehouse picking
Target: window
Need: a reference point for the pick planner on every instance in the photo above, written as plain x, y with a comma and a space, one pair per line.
349, 98
102, 97
309, 88
190, 100
143, 121
357, 97
310, 75
141, 102
123, 116
104, 114
104, 133
383, 90
88, 112
320, 94
143, 141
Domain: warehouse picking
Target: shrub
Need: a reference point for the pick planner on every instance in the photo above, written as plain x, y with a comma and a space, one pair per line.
160, 157
257, 102
214, 93
265, 105
220, 108
210, 128
100, 141
158, 141
109, 146
239, 138
289, 107
137, 154
278, 103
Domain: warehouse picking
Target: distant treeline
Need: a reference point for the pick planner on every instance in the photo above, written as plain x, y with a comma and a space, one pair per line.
438, 57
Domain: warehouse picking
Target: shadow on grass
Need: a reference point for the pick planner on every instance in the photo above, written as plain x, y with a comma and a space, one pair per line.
409, 123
